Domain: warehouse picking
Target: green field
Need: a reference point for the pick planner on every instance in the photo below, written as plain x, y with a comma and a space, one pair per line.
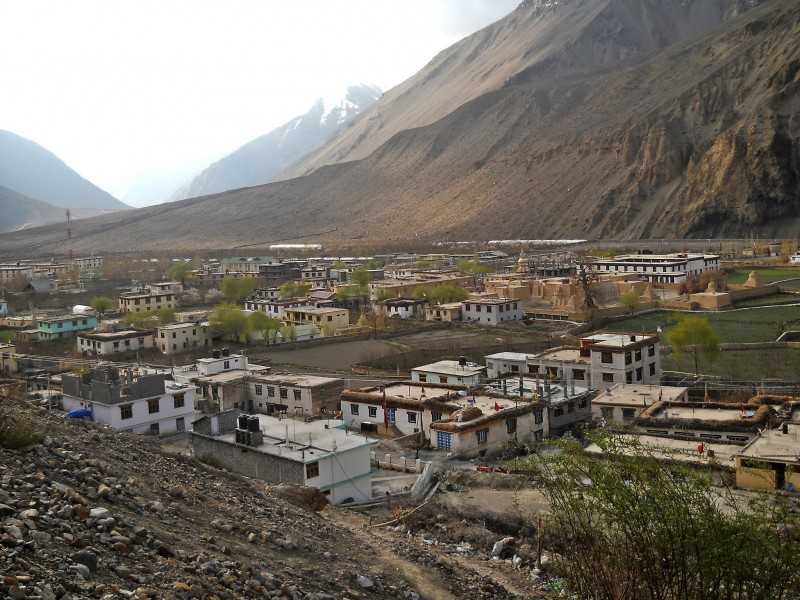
769, 300
753, 325
768, 275
777, 363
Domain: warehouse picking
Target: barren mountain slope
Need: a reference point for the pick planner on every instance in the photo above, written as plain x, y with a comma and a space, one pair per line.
34, 171
21, 212
700, 138
541, 39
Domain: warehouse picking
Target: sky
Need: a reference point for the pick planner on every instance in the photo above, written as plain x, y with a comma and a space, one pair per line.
139, 95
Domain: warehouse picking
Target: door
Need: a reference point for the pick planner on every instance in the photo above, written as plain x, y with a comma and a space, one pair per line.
180, 424
154, 429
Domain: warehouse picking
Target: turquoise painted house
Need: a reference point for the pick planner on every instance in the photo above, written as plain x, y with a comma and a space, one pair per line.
66, 326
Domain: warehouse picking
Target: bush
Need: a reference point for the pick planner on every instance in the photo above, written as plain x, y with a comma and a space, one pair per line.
630, 527
17, 430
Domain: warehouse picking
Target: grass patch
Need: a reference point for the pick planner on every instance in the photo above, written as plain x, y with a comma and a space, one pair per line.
7, 337
757, 325
768, 275
769, 300
773, 363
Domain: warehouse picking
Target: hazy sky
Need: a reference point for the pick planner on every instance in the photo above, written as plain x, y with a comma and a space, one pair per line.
146, 92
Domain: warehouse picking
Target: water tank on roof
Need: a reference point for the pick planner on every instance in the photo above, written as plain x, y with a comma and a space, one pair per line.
226, 352
215, 353
242, 421
82, 309
253, 424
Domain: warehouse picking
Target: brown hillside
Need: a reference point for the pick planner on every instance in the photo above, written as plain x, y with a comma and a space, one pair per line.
662, 133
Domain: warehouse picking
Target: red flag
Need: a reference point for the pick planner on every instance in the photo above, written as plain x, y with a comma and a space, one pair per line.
497, 406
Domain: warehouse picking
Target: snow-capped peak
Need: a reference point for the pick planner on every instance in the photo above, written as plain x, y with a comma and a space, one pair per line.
338, 108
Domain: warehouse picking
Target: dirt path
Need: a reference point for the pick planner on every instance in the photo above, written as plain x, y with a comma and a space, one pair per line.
388, 547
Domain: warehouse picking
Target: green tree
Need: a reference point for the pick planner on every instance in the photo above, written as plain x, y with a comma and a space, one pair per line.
630, 300
695, 336
102, 304
267, 326
472, 267
427, 264
445, 293
180, 271
294, 289
383, 295
229, 321
611, 521
361, 277
236, 289
289, 333
339, 264
165, 315
145, 319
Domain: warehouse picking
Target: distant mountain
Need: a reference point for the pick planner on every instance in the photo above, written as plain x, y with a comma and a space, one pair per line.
33, 171
260, 160
19, 212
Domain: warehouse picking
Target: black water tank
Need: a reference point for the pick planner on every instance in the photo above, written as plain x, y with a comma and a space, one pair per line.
242, 422
253, 424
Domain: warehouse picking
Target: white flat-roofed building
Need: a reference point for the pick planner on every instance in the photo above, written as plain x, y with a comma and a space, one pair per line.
294, 395
131, 400
659, 268
623, 358
320, 454
492, 311
114, 342
449, 372
182, 337
506, 363
275, 308
623, 403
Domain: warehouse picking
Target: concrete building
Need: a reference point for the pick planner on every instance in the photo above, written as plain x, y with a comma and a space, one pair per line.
660, 268
314, 273
294, 395
328, 320
15, 272
247, 264
221, 380
88, 263
114, 342
446, 313
706, 421
404, 308
65, 326
623, 403
623, 358
145, 299
182, 337
131, 400
167, 287
449, 372
8, 360
320, 454
399, 409
492, 311
771, 460
506, 363
275, 308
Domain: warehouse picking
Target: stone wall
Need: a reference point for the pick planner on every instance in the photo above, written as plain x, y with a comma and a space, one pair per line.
247, 461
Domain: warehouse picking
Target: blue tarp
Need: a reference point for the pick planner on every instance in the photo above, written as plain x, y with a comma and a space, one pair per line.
80, 413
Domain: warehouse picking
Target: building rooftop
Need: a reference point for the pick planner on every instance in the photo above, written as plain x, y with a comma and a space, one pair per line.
636, 395
224, 376
181, 326
518, 356
492, 301
567, 355
301, 441
110, 336
415, 391
71, 317
451, 367
616, 340
684, 451
703, 412
775, 446
316, 311
296, 380
533, 388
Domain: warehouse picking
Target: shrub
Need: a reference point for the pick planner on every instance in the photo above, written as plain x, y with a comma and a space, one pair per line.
17, 430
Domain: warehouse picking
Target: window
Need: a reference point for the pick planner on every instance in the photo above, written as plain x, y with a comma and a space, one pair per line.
628, 358
608, 377
608, 413
583, 403
638, 355
284, 393
639, 373
538, 417
436, 415
629, 377
652, 368
116, 345
651, 351
153, 405
628, 413
392, 415
412, 416
442, 379
511, 425
296, 394
488, 309
423, 377
354, 409
174, 335
155, 429
579, 374
570, 407
606, 358
312, 470
126, 411
444, 440
515, 368
226, 364
482, 435
180, 424
179, 401
259, 390
271, 392
372, 411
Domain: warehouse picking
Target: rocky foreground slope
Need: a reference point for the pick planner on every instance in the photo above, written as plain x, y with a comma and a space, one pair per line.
90, 513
